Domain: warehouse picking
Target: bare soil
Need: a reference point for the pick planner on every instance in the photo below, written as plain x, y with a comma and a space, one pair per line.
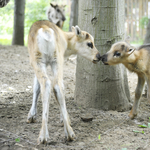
109, 130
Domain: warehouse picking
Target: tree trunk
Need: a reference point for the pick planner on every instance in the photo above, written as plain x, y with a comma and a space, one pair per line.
18, 31
99, 86
147, 37
73, 14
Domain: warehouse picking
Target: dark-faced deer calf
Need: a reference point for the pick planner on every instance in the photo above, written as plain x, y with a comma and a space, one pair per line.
56, 14
48, 45
136, 60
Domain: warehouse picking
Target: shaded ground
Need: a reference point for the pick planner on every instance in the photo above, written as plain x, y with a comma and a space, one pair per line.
16, 78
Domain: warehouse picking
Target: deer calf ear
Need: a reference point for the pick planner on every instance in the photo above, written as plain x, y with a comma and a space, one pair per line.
53, 5
77, 31
131, 50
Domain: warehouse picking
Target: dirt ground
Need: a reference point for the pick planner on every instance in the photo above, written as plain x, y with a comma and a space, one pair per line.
109, 130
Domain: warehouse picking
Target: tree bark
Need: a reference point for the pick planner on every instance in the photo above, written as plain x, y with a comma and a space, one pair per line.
73, 14
18, 31
99, 86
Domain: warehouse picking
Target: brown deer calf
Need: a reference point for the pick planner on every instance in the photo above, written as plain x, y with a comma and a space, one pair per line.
136, 60
48, 45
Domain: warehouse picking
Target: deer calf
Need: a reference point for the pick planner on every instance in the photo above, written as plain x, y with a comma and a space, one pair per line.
56, 14
48, 45
136, 60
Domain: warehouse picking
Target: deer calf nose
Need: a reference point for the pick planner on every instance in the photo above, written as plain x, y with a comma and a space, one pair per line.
98, 56
104, 58
63, 19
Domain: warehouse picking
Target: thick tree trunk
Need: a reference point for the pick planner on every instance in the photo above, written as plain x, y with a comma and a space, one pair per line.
73, 14
18, 31
100, 86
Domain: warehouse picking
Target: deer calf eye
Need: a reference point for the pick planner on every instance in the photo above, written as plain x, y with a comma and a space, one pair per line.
90, 45
117, 54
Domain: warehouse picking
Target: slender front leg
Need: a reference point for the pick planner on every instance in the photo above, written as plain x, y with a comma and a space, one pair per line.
33, 111
138, 92
62, 104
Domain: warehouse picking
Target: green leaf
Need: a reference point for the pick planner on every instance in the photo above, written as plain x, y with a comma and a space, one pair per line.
99, 137
143, 132
124, 149
138, 131
17, 139
149, 125
143, 126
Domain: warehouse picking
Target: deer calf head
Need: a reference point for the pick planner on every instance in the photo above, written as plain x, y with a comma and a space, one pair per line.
119, 53
56, 14
84, 45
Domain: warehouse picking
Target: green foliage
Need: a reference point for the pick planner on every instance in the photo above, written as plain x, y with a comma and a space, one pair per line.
17, 139
66, 23
143, 22
34, 10
6, 19
139, 42
5, 41
143, 126
138, 131
99, 137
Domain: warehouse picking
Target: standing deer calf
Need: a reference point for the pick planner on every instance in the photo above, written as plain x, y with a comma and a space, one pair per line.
136, 60
48, 45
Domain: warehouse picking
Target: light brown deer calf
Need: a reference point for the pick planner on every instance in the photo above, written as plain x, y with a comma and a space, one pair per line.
136, 60
48, 45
